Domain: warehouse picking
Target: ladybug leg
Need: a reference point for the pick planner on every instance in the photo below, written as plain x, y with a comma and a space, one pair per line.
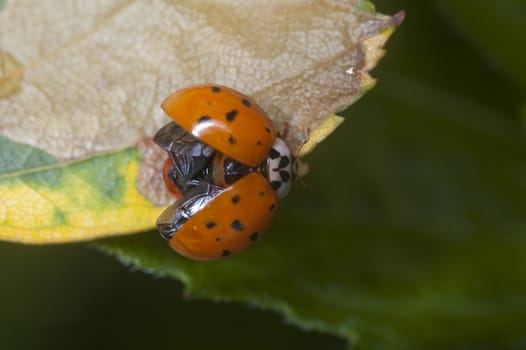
189, 156
174, 217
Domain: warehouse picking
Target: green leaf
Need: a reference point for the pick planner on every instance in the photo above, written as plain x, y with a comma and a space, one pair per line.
17, 157
414, 228
496, 28
409, 231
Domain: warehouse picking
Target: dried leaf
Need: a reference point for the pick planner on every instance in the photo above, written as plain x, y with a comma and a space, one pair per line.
95, 73
90, 76
10, 75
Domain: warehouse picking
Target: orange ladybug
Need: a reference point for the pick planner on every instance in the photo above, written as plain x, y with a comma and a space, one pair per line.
226, 168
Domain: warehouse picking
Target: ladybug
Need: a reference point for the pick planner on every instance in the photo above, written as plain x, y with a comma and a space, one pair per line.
226, 168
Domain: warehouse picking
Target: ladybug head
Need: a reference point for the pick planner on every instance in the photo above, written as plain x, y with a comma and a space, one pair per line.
280, 167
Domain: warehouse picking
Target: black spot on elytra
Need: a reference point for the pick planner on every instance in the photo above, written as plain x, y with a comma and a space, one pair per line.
218, 239
235, 199
267, 129
231, 140
259, 143
275, 185
246, 102
261, 194
273, 154
284, 161
210, 225
254, 236
216, 89
285, 175
272, 206
230, 116
225, 252
203, 119
237, 225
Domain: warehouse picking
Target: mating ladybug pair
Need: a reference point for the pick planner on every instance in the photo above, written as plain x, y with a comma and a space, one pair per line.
226, 168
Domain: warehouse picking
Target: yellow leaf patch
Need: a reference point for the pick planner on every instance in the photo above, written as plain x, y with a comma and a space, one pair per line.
64, 202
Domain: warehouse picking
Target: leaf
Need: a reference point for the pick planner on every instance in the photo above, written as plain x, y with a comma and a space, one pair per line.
326, 128
78, 81
95, 74
409, 233
42, 201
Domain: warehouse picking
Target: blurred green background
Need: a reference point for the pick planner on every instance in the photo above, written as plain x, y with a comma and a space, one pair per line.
72, 297
434, 155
